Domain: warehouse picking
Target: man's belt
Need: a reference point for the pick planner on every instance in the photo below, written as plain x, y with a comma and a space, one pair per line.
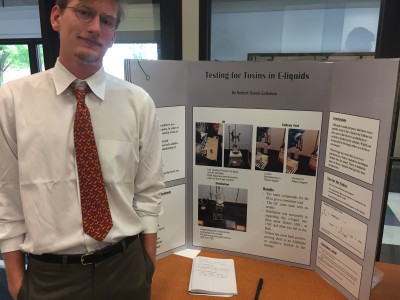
87, 258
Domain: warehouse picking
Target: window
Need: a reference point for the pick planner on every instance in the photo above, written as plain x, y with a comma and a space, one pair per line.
114, 59
20, 58
14, 62
241, 27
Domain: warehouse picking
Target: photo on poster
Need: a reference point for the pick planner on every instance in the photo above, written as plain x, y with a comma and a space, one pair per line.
302, 151
237, 146
208, 144
270, 144
222, 207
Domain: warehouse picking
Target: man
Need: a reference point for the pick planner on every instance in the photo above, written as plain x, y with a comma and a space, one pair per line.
43, 196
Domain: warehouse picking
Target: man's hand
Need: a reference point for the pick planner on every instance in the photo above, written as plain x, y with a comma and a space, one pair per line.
149, 242
15, 267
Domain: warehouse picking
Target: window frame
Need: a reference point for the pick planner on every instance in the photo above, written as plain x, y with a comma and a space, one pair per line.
33, 51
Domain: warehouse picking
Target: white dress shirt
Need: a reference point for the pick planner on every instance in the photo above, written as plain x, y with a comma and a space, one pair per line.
40, 209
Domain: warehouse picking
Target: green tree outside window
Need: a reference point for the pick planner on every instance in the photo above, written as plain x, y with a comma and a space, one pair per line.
14, 57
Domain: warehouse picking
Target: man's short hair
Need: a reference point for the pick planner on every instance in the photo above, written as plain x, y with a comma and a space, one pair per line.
64, 3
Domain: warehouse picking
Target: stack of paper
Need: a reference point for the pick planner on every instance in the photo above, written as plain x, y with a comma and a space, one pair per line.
213, 276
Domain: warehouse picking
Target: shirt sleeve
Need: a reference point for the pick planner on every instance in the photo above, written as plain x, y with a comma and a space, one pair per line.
12, 224
149, 180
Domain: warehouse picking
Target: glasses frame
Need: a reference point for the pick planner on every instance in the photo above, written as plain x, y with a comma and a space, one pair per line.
93, 15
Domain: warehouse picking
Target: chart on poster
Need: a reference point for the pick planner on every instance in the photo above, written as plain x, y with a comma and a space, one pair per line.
255, 178
343, 228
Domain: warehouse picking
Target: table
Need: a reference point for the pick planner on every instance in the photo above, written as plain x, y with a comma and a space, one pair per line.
388, 288
171, 280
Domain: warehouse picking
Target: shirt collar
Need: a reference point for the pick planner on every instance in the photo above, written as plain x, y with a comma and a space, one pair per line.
62, 79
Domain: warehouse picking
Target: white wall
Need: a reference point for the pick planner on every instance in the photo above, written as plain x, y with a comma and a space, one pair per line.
19, 22
238, 29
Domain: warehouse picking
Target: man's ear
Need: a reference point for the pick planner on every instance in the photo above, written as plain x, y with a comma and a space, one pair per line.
55, 18
113, 40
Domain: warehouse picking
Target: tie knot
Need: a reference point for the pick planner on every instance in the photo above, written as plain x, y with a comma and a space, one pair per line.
80, 90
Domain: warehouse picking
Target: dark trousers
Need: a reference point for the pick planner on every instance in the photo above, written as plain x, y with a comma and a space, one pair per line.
123, 276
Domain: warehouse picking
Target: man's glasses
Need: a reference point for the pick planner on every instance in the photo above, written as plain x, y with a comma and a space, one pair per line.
86, 15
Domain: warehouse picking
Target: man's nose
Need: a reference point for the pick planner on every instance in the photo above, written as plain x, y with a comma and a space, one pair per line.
95, 24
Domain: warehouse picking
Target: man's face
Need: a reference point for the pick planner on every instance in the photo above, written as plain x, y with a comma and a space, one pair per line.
83, 42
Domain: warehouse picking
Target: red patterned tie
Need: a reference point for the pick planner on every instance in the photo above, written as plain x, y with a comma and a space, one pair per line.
96, 216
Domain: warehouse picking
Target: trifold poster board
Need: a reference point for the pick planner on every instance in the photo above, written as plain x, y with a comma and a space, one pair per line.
279, 161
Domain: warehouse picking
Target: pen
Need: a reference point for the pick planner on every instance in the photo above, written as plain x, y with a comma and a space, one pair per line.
259, 287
